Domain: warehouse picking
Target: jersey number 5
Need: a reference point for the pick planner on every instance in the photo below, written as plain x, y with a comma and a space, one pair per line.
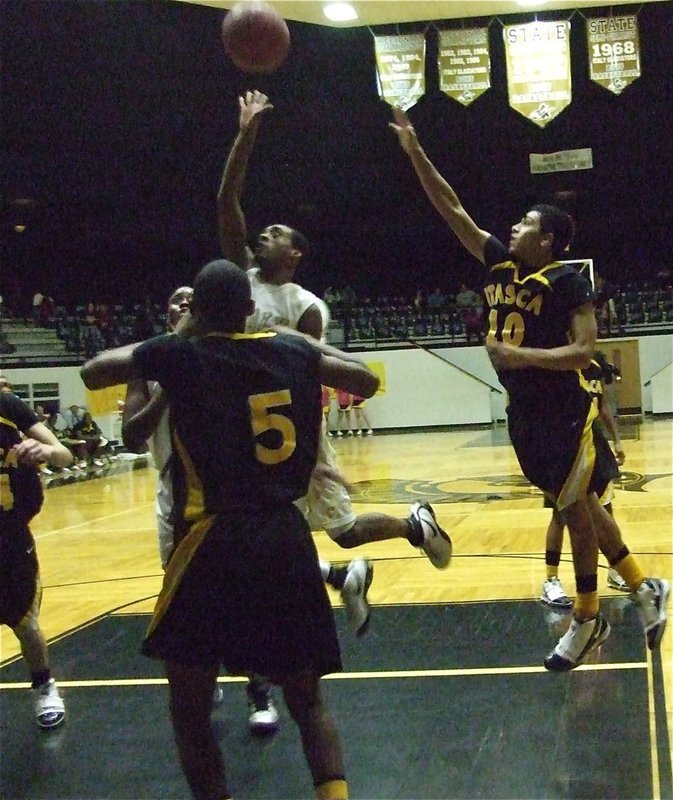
263, 419
512, 328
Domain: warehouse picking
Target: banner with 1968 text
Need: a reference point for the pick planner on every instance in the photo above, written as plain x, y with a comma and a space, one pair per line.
538, 69
614, 51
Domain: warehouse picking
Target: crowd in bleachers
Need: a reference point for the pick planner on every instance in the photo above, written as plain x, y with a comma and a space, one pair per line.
457, 318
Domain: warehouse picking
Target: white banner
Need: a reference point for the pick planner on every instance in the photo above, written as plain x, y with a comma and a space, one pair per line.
562, 161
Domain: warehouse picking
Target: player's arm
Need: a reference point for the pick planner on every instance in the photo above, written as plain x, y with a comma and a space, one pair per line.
141, 416
311, 322
576, 354
231, 223
110, 368
347, 372
439, 192
41, 445
610, 423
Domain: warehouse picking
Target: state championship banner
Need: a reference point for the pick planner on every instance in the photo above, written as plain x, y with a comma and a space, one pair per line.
614, 51
400, 69
538, 69
464, 64
562, 161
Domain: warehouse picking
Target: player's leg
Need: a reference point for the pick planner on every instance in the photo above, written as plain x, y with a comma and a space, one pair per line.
21, 596
588, 629
553, 593
191, 692
319, 735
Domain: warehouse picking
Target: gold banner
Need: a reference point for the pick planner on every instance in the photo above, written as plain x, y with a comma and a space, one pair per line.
464, 64
614, 51
538, 69
400, 68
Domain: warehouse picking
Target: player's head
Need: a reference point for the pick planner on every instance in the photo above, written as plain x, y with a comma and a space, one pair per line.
544, 233
178, 305
222, 298
280, 247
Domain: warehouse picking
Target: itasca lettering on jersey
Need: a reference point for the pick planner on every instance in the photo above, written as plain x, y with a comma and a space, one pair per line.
511, 295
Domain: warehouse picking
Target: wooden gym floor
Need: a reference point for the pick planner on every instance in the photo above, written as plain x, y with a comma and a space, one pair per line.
445, 697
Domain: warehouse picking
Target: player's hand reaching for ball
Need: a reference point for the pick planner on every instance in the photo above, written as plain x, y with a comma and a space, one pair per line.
404, 129
252, 105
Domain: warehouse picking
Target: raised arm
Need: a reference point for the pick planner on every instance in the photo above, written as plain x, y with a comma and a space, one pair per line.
439, 192
231, 224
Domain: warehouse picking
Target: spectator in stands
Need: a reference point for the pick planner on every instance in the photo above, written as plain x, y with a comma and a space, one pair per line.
73, 415
436, 301
41, 415
38, 297
5, 385
145, 322
420, 302
604, 304
94, 442
47, 311
106, 324
471, 310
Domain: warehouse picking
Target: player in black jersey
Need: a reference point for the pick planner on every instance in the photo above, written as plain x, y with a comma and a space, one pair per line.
541, 334
24, 444
243, 587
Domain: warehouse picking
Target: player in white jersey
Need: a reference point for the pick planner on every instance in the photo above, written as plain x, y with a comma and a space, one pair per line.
281, 301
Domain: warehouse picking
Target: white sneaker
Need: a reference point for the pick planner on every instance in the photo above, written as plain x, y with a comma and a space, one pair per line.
554, 595
576, 644
615, 581
370, 432
358, 433
49, 708
218, 696
97, 462
263, 719
435, 542
359, 575
339, 433
650, 599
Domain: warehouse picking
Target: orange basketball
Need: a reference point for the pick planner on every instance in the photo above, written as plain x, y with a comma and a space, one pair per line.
256, 38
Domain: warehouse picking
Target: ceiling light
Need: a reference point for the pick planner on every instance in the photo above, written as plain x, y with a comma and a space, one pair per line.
340, 12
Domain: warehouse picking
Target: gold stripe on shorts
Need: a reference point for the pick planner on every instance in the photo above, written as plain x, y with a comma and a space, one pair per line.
179, 562
576, 485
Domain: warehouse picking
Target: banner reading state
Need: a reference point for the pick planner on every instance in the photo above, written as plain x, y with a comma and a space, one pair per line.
400, 68
614, 51
538, 69
464, 64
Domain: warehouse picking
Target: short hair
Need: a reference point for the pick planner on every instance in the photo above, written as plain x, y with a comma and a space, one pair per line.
178, 291
221, 295
559, 223
300, 242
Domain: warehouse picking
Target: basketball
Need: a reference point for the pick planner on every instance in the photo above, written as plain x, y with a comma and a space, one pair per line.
256, 38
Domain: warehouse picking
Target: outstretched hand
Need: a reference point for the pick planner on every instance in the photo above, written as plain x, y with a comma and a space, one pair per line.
403, 128
252, 105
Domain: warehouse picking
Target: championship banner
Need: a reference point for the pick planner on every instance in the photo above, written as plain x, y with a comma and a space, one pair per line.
464, 64
538, 69
400, 69
614, 51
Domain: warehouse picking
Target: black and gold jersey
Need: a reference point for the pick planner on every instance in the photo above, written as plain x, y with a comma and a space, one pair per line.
20, 489
593, 377
245, 417
532, 310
